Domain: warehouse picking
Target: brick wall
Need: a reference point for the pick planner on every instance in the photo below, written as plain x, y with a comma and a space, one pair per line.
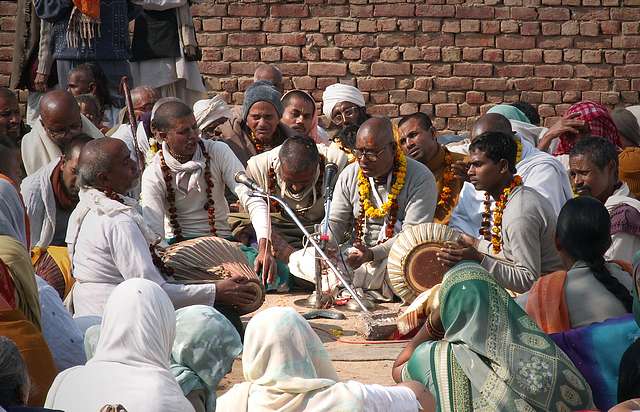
449, 58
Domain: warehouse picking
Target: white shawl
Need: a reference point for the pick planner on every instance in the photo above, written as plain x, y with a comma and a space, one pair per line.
41, 204
286, 369
92, 199
12, 221
186, 174
131, 363
38, 150
622, 196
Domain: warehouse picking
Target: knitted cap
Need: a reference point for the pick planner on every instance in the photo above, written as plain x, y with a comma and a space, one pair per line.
261, 91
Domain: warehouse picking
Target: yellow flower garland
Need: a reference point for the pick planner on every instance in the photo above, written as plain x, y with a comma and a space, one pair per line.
519, 151
364, 188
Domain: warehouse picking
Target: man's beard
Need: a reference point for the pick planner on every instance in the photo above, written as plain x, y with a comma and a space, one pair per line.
347, 136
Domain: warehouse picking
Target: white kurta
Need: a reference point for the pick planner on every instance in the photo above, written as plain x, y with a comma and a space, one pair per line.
623, 245
38, 150
192, 216
538, 170
106, 248
40, 202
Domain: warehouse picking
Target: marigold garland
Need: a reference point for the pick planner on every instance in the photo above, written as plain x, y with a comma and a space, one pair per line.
388, 208
446, 193
494, 233
519, 151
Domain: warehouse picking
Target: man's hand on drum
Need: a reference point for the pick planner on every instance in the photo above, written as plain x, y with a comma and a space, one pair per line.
359, 255
234, 291
265, 262
464, 250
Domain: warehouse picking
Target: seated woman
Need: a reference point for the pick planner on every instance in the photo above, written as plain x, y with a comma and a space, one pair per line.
131, 362
287, 369
591, 290
480, 350
203, 352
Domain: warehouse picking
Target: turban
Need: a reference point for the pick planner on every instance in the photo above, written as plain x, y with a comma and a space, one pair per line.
627, 125
629, 168
261, 91
337, 93
208, 111
510, 112
600, 125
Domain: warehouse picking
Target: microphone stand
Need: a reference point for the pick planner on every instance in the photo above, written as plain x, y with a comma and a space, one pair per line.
315, 245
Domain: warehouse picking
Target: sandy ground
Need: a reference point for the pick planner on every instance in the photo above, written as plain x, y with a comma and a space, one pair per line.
366, 363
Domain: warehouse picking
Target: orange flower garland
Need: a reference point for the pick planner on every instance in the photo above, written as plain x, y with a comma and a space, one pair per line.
494, 234
445, 196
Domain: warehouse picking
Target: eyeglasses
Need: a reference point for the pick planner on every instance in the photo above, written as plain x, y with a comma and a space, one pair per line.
371, 156
341, 117
60, 134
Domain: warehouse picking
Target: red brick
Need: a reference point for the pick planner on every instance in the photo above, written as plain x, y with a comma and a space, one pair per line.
289, 25
386, 24
289, 10
474, 12
530, 28
310, 24
247, 39
423, 83
327, 69
201, 9
394, 10
626, 42
473, 70
492, 55
570, 28
417, 96
532, 83
330, 53
390, 54
212, 24
555, 42
330, 11
435, 69
614, 56
376, 84
244, 67
553, 13
396, 39
610, 27
515, 42
408, 25
451, 26
572, 55
293, 69
515, 71
453, 83
390, 69
629, 70
290, 53
329, 26
361, 11
571, 84
206, 39
490, 27
304, 82
250, 24
231, 23
524, 13
490, 84
551, 97
472, 53
554, 70
474, 40
353, 40
532, 56
231, 54
509, 26
435, 10
271, 25
287, 39
451, 54
388, 110
247, 10
474, 97
513, 56
379, 97
553, 56
408, 108
367, 26
250, 54
589, 28
591, 56
430, 25
551, 29
625, 13
471, 26
435, 39
214, 67
446, 110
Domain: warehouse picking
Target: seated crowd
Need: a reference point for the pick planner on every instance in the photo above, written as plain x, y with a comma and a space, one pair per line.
92, 317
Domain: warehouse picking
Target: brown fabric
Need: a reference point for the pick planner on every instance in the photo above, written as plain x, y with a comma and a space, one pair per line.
34, 351
625, 219
59, 191
236, 136
25, 50
629, 169
437, 167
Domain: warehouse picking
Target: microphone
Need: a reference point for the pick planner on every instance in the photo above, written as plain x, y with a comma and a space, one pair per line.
330, 170
242, 178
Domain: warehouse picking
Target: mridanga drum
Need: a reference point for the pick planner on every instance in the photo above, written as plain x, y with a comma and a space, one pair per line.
413, 266
212, 259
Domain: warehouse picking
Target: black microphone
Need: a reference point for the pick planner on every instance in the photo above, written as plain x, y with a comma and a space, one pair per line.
242, 178
330, 170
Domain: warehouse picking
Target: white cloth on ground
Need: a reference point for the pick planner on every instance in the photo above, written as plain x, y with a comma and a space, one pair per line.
538, 170
131, 363
40, 202
292, 371
63, 336
192, 216
38, 149
109, 243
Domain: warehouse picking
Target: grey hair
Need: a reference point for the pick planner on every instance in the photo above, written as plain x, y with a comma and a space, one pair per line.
93, 161
138, 92
14, 377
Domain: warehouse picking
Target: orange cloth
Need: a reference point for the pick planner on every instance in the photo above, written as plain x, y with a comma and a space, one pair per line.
89, 7
547, 305
629, 169
34, 351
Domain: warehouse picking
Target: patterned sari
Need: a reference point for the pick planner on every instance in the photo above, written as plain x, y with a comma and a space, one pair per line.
493, 356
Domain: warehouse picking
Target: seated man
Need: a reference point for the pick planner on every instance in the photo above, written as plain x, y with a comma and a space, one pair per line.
90, 108
109, 241
294, 172
344, 107
518, 243
88, 78
210, 114
11, 124
183, 187
260, 129
60, 119
418, 140
397, 192
593, 163
301, 116
538, 170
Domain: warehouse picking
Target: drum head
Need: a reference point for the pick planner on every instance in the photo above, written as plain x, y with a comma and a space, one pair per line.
258, 290
422, 270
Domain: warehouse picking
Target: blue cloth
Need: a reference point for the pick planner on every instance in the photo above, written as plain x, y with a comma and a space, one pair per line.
596, 350
510, 112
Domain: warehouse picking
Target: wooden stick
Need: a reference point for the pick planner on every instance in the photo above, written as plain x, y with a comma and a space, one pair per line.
124, 84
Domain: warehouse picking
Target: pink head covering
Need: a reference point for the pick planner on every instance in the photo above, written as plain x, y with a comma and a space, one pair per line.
599, 121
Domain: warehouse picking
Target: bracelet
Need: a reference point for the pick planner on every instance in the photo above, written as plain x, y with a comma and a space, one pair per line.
436, 333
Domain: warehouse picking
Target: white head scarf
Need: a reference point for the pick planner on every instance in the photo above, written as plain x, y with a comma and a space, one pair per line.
337, 93
208, 111
12, 213
131, 363
286, 369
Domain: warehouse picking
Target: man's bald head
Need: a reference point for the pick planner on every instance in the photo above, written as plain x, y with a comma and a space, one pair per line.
271, 74
58, 103
378, 128
491, 122
169, 111
106, 164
